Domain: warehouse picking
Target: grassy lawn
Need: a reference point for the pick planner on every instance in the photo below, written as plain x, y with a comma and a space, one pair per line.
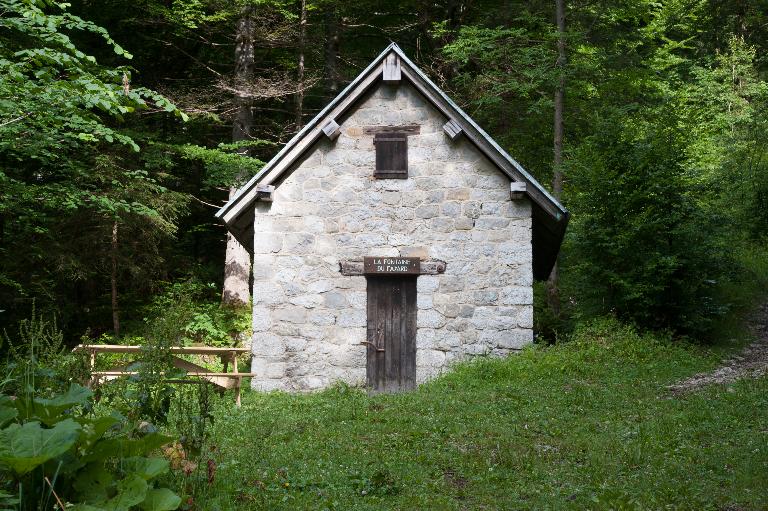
584, 425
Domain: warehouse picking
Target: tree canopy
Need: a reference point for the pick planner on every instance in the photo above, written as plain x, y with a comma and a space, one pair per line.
116, 137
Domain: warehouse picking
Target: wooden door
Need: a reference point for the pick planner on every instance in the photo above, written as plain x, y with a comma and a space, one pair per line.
391, 358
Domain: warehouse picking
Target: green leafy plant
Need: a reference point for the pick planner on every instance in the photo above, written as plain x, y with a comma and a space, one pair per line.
636, 216
54, 449
193, 456
52, 452
194, 308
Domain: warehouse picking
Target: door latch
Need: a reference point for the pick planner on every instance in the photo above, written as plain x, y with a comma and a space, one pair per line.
372, 345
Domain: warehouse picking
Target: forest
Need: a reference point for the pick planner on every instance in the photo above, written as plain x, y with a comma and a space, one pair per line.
124, 127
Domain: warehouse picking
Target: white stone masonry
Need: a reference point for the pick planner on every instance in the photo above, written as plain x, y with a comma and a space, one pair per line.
309, 320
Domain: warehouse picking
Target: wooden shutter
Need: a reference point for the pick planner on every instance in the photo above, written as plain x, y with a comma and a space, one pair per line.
391, 155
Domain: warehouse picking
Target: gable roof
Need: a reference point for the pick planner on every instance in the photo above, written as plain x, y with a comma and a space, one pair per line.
550, 218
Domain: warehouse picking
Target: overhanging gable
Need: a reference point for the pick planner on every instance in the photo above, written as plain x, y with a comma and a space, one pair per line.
549, 216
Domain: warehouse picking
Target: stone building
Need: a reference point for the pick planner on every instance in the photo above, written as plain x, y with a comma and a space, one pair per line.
390, 237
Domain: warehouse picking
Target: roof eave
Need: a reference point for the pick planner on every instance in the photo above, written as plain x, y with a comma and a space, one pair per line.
479, 137
234, 201
554, 221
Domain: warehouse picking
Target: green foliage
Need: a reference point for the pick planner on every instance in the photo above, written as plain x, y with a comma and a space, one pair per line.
664, 188
38, 340
585, 424
160, 499
740, 145
53, 449
223, 166
197, 316
68, 172
53, 92
663, 143
147, 395
636, 217
548, 327
507, 76
187, 313
38, 357
192, 457
7, 501
27, 446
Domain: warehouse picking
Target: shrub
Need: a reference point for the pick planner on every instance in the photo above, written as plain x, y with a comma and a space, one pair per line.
643, 244
57, 448
190, 312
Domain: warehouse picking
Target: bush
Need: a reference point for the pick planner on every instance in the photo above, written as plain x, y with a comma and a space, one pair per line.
61, 444
38, 358
187, 312
190, 312
643, 244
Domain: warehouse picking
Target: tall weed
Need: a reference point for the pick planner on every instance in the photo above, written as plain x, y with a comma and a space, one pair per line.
38, 358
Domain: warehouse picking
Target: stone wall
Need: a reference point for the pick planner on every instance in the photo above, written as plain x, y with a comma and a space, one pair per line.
309, 320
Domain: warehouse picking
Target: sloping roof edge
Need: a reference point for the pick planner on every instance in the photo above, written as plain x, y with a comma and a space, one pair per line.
314, 123
550, 217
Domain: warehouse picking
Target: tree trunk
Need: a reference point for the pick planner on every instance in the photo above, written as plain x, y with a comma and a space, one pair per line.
113, 283
741, 19
300, 70
237, 266
557, 178
331, 52
553, 291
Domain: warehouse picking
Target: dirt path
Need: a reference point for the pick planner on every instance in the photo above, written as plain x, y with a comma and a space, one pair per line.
750, 363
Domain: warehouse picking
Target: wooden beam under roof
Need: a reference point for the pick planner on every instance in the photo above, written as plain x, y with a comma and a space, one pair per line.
391, 72
452, 129
550, 218
331, 129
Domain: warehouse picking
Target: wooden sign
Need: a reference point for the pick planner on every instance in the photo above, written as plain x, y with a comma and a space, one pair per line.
391, 265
